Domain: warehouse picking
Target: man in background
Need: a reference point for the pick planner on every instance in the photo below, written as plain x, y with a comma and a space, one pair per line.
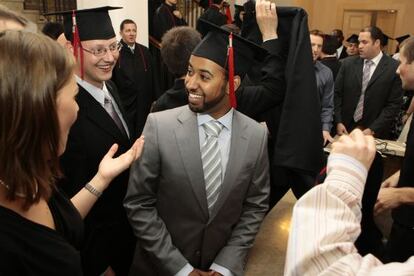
176, 47
340, 48
134, 76
325, 85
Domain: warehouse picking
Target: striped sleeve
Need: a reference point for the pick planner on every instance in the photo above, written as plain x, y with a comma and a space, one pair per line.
326, 222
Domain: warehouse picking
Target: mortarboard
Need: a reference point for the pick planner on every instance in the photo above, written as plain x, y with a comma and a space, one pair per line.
353, 39
400, 39
216, 46
86, 24
92, 23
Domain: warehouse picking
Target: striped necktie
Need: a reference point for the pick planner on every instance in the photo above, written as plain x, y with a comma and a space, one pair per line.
359, 110
211, 158
110, 109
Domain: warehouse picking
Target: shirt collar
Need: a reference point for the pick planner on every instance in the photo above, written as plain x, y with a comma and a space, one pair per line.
225, 120
97, 93
377, 59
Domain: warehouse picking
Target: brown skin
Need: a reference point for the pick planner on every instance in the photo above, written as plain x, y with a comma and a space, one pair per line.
207, 87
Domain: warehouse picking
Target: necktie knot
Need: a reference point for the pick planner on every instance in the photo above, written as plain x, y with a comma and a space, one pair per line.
368, 63
213, 128
107, 101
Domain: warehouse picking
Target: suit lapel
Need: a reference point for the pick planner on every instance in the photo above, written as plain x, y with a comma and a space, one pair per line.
189, 148
378, 70
115, 95
97, 114
238, 149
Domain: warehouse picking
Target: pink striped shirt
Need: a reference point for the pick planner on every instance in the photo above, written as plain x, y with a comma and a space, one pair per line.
326, 222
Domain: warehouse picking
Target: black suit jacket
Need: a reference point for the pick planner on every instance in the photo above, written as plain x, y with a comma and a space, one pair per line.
343, 54
90, 138
383, 95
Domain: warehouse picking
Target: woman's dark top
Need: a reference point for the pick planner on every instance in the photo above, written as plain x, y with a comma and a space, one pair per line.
29, 248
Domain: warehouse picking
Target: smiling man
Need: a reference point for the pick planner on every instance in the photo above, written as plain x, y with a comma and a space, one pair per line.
109, 241
197, 197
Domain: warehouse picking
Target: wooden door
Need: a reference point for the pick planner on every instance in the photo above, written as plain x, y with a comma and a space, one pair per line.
385, 20
354, 21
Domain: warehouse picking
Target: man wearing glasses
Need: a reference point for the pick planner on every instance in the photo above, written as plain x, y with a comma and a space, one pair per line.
108, 241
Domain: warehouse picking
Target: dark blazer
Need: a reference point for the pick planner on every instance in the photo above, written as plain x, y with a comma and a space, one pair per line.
343, 54
167, 203
91, 136
136, 81
383, 95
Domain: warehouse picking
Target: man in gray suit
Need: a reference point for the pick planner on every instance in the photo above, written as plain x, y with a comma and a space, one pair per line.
196, 199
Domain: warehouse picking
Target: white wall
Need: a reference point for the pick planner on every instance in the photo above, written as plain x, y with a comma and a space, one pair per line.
136, 10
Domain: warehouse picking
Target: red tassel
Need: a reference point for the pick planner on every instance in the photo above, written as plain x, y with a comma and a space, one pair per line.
209, 3
230, 59
228, 14
77, 46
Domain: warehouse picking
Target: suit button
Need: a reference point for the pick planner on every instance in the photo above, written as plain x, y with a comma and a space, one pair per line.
198, 253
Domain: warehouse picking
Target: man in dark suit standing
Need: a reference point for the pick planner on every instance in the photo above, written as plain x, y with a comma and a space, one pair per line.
198, 195
341, 52
134, 76
368, 95
368, 92
109, 242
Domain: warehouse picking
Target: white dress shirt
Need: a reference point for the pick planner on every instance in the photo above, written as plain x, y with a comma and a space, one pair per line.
99, 95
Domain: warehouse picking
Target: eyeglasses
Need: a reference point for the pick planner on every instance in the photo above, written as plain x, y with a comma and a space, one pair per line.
101, 51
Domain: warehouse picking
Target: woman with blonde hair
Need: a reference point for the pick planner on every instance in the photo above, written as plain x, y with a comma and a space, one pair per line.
39, 228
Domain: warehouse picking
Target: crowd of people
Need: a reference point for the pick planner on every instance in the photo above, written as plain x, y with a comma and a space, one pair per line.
104, 174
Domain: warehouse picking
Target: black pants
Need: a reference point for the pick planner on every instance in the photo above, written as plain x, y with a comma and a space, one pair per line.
400, 244
283, 179
370, 239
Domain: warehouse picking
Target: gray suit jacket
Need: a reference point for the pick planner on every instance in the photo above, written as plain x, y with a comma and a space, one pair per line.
166, 199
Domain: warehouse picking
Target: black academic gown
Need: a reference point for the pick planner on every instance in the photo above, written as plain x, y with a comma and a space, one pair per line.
174, 97
108, 237
164, 20
295, 147
137, 84
212, 15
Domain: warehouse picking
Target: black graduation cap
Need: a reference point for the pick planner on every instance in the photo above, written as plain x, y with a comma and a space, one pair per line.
400, 39
214, 47
353, 39
53, 29
92, 23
